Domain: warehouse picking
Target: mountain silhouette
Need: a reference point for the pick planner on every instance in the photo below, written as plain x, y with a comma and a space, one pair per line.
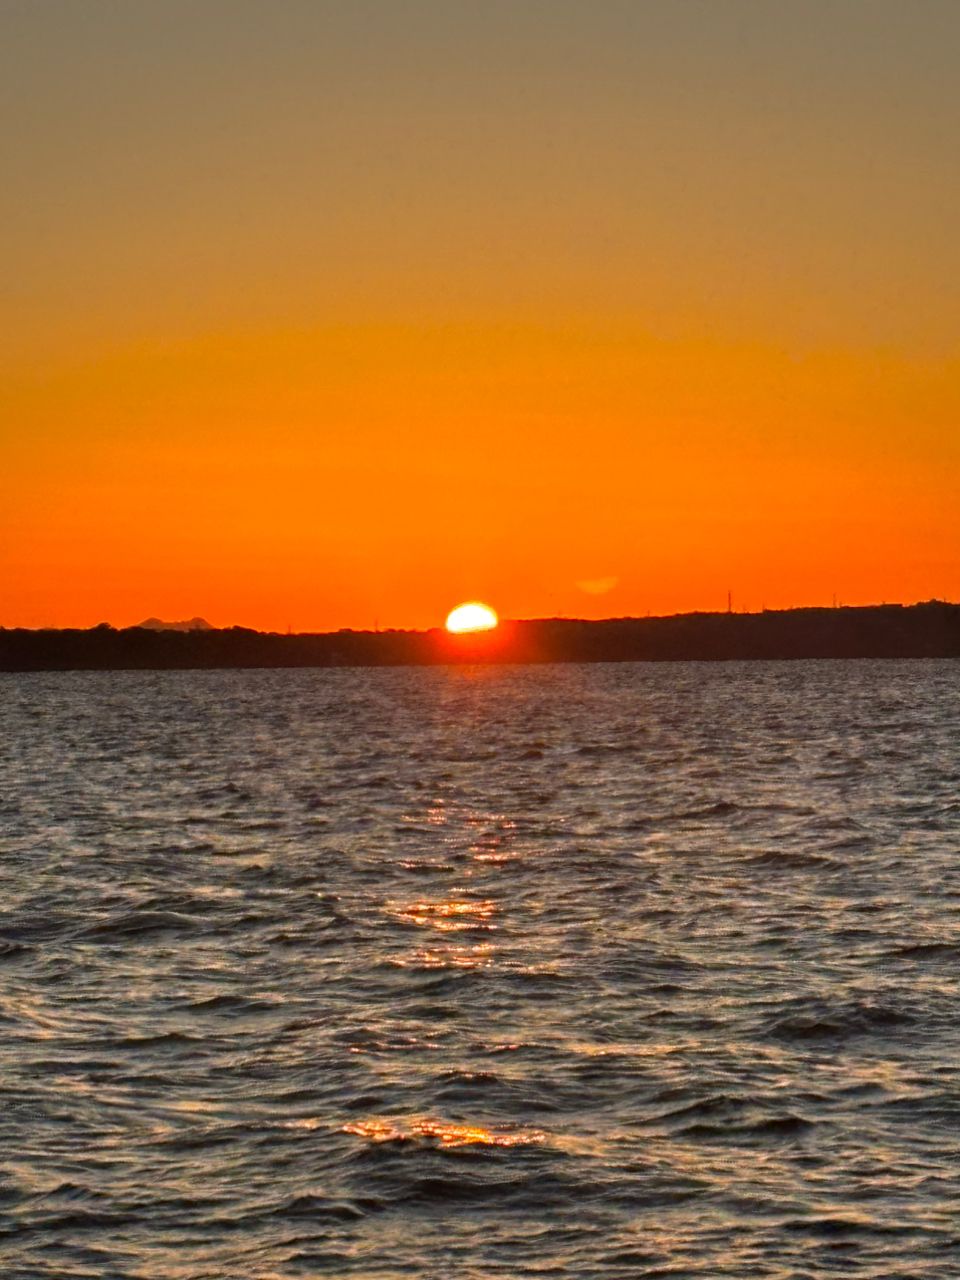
189, 624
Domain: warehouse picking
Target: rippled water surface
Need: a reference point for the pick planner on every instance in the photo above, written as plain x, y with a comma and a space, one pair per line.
618, 971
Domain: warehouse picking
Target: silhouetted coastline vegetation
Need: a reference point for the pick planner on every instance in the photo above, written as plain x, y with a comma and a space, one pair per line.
930, 630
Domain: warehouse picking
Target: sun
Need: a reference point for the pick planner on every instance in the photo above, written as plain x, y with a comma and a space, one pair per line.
471, 617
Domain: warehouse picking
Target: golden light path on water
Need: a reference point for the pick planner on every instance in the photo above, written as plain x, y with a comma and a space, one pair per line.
444, 1133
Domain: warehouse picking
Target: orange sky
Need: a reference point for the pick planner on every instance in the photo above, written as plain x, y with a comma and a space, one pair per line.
319, 318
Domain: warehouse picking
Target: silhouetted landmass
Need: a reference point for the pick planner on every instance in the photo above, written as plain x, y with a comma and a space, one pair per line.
930, 630
188, 624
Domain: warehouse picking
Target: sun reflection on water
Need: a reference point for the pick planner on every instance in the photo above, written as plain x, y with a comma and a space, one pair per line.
448, 915
450, 957
442, 1133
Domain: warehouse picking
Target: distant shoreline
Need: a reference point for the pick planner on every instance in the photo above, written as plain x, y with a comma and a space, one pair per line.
929, 630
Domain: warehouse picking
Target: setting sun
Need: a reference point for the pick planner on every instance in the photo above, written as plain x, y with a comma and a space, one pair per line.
471, 617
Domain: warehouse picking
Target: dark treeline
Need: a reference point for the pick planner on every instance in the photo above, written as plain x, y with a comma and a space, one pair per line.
929, 630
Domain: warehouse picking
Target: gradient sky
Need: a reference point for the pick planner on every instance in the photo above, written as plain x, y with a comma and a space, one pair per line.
334, 314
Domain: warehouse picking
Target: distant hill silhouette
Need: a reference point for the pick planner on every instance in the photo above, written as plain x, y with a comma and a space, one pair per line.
930, 630
191, 624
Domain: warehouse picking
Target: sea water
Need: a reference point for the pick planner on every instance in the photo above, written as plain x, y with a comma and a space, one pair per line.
564, 971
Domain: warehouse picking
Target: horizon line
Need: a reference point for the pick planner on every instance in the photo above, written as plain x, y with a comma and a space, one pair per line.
181, 626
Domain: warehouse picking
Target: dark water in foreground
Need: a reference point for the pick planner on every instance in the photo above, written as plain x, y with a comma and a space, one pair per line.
562, 972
